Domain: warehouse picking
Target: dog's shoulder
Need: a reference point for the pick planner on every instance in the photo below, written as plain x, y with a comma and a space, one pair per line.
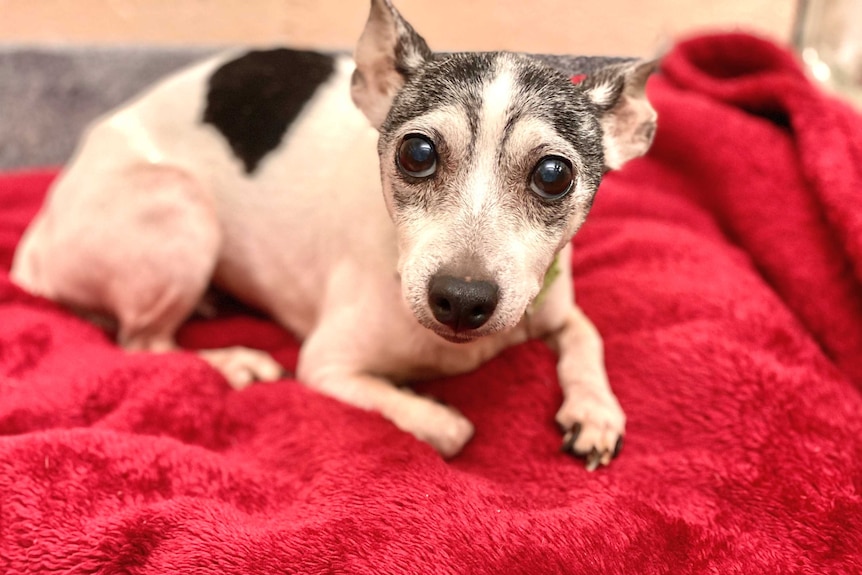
252, 98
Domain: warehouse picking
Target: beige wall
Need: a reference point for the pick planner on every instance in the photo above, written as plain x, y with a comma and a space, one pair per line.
634, 27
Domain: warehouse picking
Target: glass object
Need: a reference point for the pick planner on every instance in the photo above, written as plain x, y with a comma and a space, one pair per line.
828, 37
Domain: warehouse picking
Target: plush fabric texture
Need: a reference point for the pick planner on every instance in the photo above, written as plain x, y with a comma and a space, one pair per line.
724, 272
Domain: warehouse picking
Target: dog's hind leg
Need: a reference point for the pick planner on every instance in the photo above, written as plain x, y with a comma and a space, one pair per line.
180, 252
140, 246
155, 247
152, 329
241, 366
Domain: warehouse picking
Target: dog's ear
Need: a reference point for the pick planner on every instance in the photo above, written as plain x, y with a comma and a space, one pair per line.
627, 118
388, 51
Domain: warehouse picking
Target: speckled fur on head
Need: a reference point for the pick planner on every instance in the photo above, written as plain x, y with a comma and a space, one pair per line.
491, 119
536, 91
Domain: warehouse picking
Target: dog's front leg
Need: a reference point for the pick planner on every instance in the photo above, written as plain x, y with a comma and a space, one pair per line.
591, 417
444, 428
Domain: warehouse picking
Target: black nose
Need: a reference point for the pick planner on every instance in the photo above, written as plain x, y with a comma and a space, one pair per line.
462, 304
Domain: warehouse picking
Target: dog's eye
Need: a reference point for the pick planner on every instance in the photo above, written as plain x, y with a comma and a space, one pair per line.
552, 178
417, 157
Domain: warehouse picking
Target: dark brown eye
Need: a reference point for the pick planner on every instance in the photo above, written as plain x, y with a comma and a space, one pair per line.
417, 157
552, 178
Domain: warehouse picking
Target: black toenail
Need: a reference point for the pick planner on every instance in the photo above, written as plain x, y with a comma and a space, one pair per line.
571, 437
618, 447
594, 459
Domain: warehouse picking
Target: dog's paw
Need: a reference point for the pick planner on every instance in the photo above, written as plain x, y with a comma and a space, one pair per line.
241, 366
448, 431
593, 425
443, 427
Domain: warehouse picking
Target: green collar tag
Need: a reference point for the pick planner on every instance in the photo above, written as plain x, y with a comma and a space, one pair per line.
550, 277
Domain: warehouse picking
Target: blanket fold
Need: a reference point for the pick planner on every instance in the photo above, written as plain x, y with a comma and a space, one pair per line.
723, 270
796, 218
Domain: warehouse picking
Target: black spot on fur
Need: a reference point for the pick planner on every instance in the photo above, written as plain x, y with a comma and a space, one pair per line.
252, 100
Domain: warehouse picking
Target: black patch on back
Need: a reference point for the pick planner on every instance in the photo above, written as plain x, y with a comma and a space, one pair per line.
253, 99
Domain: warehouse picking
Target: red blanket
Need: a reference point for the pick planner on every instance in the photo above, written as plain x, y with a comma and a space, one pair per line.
724, 271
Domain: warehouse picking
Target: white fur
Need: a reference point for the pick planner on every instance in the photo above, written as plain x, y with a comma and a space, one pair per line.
496, 99
601, 94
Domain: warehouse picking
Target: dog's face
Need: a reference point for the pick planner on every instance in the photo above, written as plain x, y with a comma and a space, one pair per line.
489, 164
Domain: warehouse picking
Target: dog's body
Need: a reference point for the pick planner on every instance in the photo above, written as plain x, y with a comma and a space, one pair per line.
258, 173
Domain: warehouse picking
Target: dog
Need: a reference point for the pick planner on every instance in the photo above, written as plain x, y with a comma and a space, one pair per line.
261, 173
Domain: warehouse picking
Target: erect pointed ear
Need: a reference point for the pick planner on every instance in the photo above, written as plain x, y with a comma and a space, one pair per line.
627, 118
388, 51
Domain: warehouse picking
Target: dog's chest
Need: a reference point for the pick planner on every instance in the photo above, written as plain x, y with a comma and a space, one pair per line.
426, 356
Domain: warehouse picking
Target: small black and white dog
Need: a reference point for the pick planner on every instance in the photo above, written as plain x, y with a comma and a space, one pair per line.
259, 173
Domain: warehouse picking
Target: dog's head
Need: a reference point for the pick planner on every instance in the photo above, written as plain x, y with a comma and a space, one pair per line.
489, 164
